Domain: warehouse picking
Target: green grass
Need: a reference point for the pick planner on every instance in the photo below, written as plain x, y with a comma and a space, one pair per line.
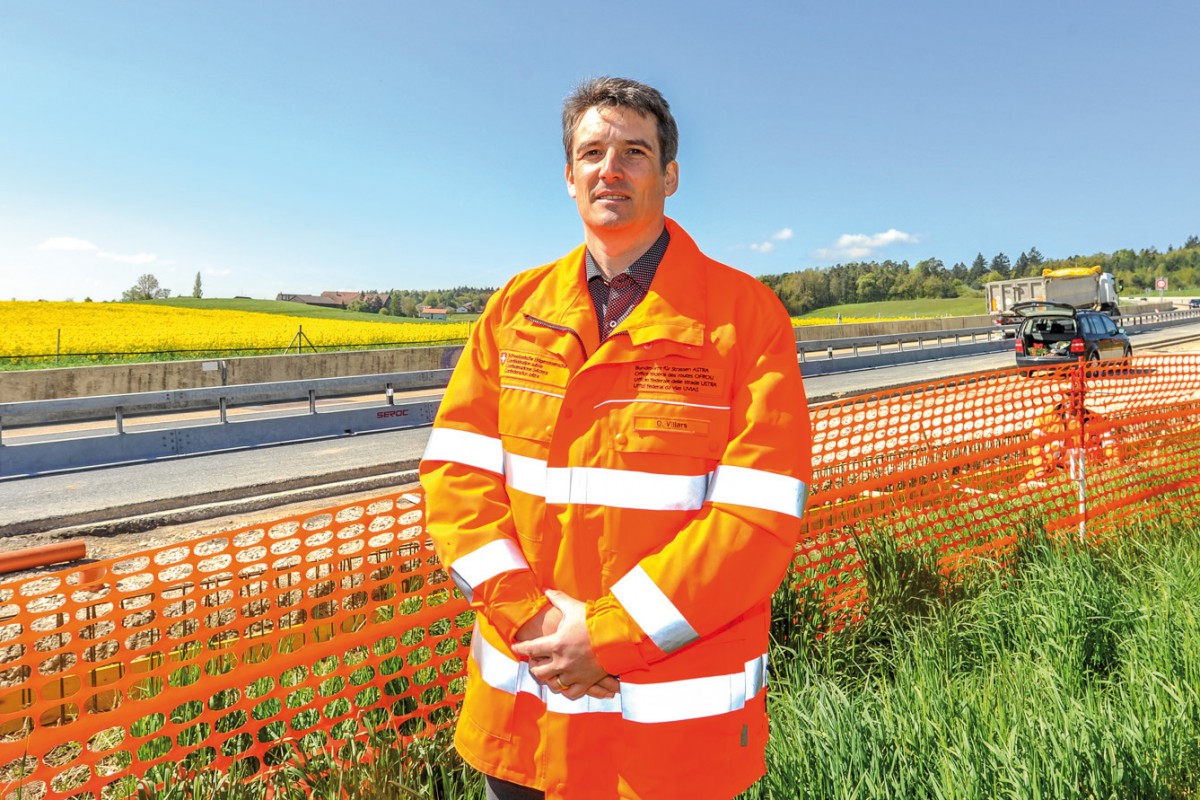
290, 309
951, 307
1075, 675
892, 309
1072, 672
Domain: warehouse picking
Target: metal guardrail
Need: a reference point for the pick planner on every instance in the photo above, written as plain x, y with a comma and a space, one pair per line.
1136, 323
852, 347
950, 343
219, 432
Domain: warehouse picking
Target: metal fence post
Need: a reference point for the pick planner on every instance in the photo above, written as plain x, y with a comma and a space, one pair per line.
1078, 459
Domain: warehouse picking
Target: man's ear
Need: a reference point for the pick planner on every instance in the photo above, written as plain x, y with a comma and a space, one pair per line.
570, 181
672, 177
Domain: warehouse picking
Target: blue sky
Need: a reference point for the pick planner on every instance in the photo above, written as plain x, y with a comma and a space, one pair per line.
305, 146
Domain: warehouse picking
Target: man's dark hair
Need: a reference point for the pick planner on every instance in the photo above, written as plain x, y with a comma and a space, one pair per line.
621, 93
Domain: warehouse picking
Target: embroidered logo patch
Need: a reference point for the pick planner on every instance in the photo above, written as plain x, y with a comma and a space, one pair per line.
532, 367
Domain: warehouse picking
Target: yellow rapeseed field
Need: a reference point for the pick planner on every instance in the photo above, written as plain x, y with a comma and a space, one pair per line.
34, 329
42, 329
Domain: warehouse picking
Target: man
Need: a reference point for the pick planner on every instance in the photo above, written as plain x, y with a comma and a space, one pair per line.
615, 480
1061, 444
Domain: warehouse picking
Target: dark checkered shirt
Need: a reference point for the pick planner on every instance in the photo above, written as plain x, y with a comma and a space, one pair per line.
614, 299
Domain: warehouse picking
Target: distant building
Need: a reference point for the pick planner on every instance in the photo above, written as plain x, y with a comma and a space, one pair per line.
307, 299
343, 299
433, 313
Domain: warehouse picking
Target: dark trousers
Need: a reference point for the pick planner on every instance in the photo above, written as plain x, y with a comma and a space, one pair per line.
503, 790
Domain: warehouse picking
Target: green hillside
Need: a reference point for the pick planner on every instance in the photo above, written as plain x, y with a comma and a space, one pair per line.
283, 307
892, 309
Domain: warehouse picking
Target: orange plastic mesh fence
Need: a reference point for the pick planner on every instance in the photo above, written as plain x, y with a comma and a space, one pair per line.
954, 471
228, 651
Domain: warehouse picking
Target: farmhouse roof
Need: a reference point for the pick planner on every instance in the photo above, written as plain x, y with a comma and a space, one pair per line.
307, 299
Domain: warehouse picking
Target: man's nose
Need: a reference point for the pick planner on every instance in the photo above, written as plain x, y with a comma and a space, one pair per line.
611, 168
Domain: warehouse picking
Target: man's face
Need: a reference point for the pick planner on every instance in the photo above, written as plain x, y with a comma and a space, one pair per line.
615, 172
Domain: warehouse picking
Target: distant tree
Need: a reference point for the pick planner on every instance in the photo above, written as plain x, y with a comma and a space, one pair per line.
979, 269
1021, 268
869, 288
1036, 259
146, 288
408, 306
372, 303
1001, 265
938, 286
197, 292
1192, 241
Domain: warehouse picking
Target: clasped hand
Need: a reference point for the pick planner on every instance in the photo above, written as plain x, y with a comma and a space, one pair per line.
560, 653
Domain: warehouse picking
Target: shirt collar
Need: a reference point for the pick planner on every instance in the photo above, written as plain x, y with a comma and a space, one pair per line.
642, 271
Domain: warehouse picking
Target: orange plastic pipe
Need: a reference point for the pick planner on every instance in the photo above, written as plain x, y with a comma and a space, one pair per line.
42, 555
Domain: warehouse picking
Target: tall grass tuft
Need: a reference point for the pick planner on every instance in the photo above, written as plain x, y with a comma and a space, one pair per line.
379, 766
1072, 675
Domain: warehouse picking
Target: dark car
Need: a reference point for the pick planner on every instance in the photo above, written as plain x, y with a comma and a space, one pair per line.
1057, 333
1194, 302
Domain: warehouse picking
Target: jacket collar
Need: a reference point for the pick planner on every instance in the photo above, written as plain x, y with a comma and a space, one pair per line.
562, 299
673, 309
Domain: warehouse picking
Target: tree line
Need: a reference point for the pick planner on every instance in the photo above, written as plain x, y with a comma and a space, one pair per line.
409, 302
863, 282
818, 287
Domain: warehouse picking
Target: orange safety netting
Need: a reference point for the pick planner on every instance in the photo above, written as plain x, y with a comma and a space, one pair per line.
228, 651
958, 469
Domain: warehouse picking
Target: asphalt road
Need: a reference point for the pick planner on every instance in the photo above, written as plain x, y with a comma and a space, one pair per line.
145, 496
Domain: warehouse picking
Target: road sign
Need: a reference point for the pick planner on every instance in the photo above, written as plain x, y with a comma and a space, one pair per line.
1160, 284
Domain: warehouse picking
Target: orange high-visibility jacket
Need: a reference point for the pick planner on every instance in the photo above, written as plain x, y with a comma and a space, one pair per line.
659, 477
1057, 438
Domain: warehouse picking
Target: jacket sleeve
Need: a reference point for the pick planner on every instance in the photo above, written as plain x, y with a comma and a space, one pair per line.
468, 513
734, 553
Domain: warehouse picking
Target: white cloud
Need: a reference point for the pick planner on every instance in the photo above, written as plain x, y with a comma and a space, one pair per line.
66, 243
769, 246
70, 243
856, 246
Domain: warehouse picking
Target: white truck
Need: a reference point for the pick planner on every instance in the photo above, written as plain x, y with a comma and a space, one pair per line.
1082, 287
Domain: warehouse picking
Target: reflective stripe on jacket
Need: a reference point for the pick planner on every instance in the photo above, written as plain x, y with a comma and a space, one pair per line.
659, 477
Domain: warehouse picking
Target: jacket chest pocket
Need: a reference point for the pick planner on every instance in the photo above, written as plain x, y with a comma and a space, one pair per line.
527, 418
532, 385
